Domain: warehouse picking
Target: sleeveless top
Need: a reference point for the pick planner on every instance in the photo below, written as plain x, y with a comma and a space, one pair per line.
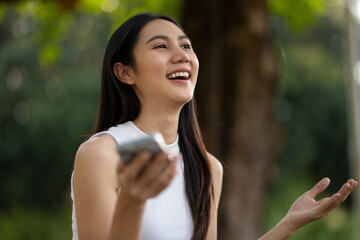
166, 216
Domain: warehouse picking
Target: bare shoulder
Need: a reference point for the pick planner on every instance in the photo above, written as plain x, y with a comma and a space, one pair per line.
216, 167
217, 172
96, 158
97, 145
102, 147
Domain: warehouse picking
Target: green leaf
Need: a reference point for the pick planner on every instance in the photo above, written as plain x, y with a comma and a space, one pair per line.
3, 8
300, 13
89, 6
50, 54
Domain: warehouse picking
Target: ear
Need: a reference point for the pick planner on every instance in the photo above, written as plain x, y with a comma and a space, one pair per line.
123, 73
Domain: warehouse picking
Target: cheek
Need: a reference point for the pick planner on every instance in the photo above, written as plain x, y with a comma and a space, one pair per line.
195, 67
148, 63
149, 78
195, 62
148, 69
154, 65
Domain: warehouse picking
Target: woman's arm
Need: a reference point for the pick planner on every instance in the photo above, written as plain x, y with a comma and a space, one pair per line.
137, 185
217, 174
306, 209
101, 213
95, 187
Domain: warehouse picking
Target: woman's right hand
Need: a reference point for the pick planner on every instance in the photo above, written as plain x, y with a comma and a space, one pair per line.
144, 177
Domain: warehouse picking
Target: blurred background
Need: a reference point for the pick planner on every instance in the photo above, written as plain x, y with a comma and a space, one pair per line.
278, 98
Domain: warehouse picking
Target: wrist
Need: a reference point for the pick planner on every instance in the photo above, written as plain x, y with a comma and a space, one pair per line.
288, 226
127, 218
283, 230
130, 202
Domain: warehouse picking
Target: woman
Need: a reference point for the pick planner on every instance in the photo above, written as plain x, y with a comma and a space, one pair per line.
148, 80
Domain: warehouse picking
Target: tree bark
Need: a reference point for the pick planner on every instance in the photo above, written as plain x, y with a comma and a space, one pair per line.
202, 22
235, 92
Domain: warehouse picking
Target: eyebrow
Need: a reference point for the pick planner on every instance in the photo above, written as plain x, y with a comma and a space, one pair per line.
163, 37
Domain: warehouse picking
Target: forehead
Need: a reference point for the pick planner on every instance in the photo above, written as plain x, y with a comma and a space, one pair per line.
159, 27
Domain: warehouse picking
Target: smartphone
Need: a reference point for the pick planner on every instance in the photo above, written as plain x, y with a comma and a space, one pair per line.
153, 143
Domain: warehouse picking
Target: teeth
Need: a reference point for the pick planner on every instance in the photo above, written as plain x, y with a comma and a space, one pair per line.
178, 74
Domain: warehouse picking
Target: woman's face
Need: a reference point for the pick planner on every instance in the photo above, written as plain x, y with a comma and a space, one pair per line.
166, 66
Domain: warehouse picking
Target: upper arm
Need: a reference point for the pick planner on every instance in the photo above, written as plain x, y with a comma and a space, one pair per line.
95, 186
217, 174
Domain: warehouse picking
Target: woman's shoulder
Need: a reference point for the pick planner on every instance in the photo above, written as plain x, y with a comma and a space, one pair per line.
97, 153
217, 173
216, 166
98, 145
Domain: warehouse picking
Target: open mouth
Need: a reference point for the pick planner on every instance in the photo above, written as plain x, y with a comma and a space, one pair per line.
178, 76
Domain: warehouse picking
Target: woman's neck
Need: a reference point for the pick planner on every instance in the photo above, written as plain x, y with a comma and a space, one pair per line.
165, 123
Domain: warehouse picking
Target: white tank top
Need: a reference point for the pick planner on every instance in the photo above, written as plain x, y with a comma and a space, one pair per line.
167, 216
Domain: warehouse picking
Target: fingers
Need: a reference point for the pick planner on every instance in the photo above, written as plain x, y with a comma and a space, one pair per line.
346, 189
128, 173
137, 165
336, 199
319, 187
146, 177
354, 184
162, 181
120, 167
153, 169
327, 205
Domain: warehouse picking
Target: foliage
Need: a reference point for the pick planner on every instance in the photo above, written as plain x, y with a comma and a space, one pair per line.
31, 223
299, 14
50, 21
311, 106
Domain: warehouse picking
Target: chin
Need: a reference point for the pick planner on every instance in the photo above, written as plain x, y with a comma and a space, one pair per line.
183, 100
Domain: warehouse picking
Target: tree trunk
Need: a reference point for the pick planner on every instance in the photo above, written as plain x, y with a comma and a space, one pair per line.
235, 92
353, 95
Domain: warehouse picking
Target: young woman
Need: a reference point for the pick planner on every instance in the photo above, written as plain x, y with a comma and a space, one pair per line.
148, 80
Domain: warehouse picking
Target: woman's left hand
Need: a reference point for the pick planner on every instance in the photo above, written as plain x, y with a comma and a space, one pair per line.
306, 209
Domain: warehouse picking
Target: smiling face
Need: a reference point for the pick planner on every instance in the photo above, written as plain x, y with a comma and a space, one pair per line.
166, 66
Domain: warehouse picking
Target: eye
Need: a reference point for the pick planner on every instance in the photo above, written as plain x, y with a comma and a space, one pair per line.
162, 45
186, 45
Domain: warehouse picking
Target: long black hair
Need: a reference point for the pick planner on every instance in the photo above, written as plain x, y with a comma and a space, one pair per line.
118, 104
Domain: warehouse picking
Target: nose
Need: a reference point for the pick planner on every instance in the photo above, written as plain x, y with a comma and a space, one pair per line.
180, 55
